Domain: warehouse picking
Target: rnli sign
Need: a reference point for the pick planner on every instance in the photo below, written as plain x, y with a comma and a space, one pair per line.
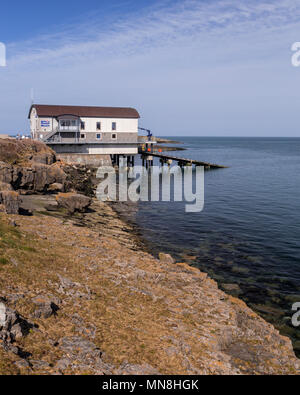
45, 124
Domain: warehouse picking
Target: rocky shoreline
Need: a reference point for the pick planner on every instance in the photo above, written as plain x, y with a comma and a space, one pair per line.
79, 294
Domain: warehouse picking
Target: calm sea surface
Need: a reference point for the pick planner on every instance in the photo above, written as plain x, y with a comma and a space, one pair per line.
247, 237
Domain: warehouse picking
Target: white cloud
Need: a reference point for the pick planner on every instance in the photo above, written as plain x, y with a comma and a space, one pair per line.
164, 27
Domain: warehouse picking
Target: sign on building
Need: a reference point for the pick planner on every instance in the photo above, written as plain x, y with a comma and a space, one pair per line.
45, 124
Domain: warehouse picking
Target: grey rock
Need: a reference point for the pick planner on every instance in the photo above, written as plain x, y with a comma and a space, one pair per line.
63, 363
5, 186
12, 223
83, 327
17, 331
73, 202
14, 262
37, 364
130, 369
12, 327
23, 363
56, 187
14, 298
78, 344
46, 306
2, 315
36, 177
166, 258
66, 282
11, 201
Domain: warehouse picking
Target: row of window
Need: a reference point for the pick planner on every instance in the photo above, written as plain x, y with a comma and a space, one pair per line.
99, 136
98, 126
67, 123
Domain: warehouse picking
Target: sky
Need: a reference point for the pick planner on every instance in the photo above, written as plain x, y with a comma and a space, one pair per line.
190, 67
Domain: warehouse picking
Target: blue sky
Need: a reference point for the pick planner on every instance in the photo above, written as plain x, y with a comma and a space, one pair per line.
33, 17
191, 67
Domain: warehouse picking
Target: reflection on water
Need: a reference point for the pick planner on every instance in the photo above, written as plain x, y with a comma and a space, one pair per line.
247, 237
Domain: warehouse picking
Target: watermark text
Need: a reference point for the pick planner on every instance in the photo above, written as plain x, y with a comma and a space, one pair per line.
2, 55
296, 56
134, 184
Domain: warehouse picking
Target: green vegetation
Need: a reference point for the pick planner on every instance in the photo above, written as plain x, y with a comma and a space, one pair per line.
3, 261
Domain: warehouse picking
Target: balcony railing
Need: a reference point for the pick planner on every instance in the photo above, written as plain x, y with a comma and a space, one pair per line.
59, 136
69, 140
66, 140
68, 128
53, 136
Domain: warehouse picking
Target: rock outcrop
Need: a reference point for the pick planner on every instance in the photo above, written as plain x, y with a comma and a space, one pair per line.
10, 202
5, 187
56, 187
46, 306
37, 178
12, 328
81, 178
124, 312
73, 202
29, 167
166, 258
24, 152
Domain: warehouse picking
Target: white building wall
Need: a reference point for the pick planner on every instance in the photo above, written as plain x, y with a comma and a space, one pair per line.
123, 125
120, 149
36, 126
113, 150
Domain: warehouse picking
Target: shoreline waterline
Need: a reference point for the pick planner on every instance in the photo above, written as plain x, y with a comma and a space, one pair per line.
247, 236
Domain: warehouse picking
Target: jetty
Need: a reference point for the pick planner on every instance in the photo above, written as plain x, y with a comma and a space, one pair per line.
169, 159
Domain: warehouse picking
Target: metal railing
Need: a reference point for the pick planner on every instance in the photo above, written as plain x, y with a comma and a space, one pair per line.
54, 138
60, 140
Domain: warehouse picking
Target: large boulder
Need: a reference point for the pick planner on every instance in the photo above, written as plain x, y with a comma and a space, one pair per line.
45, 175
37, 178
29, 166
166, 258
55, 187
46, 306
5, 186
6, 173
12, 326
10, 201
73, 202
25, 152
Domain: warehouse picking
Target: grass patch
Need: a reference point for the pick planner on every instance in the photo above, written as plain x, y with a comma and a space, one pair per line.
3, 261
9, 236
27, 248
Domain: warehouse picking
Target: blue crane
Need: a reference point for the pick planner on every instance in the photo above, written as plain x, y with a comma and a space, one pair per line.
149, 133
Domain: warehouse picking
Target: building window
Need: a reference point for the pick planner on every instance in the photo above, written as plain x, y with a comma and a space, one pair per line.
82, 125
98, 125
114, 126
114, 136
98, 136
82, 135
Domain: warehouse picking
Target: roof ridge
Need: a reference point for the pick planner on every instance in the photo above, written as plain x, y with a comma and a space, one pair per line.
54, 110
